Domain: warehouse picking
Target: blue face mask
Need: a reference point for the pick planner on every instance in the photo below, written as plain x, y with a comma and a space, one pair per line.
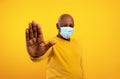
66, 32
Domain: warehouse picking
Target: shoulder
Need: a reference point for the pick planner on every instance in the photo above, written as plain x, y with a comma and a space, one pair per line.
76, 41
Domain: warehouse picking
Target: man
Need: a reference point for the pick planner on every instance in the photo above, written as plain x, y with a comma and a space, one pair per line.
64, 56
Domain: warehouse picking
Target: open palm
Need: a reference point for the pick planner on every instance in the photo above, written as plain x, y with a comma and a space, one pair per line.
35, 43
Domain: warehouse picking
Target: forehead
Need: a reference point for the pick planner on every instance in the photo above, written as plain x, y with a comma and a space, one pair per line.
66, 20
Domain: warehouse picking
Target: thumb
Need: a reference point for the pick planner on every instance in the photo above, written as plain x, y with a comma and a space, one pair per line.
50, 44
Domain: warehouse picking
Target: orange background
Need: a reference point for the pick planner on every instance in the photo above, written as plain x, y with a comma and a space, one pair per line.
97, 27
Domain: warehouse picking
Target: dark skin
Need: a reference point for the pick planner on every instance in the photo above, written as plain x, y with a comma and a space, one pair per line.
35, 43
65, 20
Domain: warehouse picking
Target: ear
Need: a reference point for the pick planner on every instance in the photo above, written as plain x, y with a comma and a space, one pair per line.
57, 26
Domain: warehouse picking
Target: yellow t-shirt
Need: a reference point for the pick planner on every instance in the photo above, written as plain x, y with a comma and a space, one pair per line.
64, 60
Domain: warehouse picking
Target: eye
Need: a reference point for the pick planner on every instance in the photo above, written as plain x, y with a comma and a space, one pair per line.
71, 25
64, 25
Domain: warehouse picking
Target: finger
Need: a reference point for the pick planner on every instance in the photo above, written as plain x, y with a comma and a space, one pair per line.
39, 34
30, 31
27, 34
50, 44
34, 27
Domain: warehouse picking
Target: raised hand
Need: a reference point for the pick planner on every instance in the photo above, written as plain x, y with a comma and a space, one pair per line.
35, 43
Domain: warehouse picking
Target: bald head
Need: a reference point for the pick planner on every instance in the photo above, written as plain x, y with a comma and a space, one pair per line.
65, 20
64, 16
